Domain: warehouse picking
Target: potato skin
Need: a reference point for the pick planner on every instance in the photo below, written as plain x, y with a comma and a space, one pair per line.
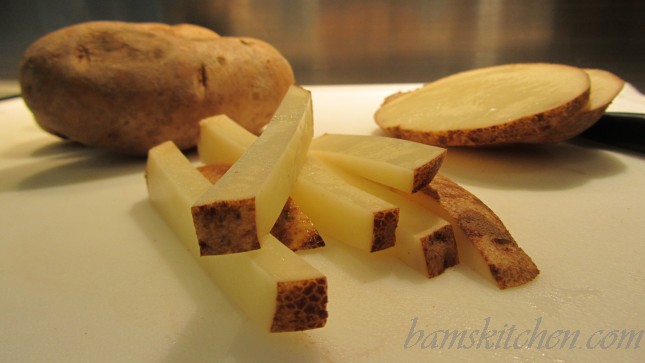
127, 87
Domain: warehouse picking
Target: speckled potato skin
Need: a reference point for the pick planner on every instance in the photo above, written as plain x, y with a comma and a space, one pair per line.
509, 265
293, 228
440, 251
127, 87
552, 126
300, 305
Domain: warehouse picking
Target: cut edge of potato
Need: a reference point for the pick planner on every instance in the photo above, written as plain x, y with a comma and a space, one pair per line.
343, 212
424, 240
293, 228
605, 86
244, 204
374, 219
401, 164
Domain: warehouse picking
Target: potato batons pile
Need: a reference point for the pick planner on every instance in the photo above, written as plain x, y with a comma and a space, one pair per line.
530, 103
253, 202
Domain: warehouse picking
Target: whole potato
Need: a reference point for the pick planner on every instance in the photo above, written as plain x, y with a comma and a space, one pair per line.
127, 87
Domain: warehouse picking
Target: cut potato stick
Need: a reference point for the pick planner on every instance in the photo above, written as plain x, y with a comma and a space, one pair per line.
272, 285
424, 241
404, 165
343, 212
484, 242
507, 104
293, 228
244, 204
339, 211
222, 140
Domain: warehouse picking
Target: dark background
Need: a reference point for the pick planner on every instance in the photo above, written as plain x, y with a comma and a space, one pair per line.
362, 41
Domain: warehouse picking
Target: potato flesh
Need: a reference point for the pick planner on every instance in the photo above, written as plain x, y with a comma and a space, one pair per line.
401, 164
339, 211
484, 97
293, 228
249, 279
417, 226
260, 181
342, 212
222, 141
468, 254
605, 86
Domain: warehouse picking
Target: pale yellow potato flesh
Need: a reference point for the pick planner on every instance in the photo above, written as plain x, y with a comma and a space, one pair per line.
339, 211
424, 240
259, 282
405, 165
605, 86
237, 211
222, 141
507, 104
293, 228
342, 212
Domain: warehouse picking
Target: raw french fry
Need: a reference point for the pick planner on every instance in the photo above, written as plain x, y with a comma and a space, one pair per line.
343, 212
405, 165
244, 204
424, 241
222, 140
272, 285
484, 242
293, 228
339, 211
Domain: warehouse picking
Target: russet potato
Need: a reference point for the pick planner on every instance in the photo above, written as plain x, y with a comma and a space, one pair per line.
526, 103
129, 86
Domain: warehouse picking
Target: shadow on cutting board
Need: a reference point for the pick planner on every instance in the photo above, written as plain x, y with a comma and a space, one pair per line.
530, 167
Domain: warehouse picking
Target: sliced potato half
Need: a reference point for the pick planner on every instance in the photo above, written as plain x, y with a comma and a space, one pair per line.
605, 86
244, 204
507, 104
338, 210
266, 283
405, 165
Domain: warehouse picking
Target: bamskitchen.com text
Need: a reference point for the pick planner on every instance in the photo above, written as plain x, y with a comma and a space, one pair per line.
510, 336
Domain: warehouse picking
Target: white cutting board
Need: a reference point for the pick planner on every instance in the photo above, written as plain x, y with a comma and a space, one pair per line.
89, 271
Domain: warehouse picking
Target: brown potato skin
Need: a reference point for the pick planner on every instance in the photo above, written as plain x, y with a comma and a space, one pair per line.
127, 87
509, 265
293, 228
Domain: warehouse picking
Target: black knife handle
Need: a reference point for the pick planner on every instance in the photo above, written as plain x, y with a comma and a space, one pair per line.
625, 130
